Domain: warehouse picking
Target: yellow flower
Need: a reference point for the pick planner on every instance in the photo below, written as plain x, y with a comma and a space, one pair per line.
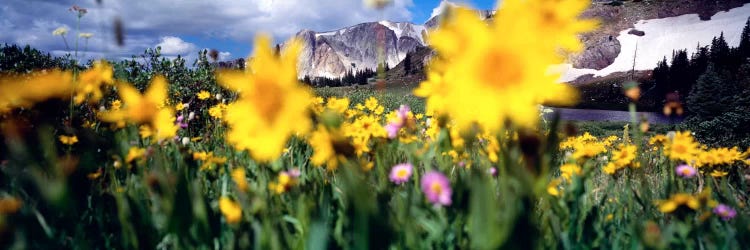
718, 173
587, 150
727, 155
610, 168
568, 170
552, 187
217, 111
208, 159
340, 105
625, 155
89, 83
238, 176
498, 72
95, 175
677, 200
135, 153
164, 124
322, 144
179, 106
557, 19
379, 110
231, 210
359, 106
116, 105
682, 147
203, 95
272, 105
145, 109
26, 90
283, 183
658, 140
145, 131
68, 140
371, 103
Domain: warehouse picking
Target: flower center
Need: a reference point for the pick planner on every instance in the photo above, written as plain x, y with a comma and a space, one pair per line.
402, 173
268, 99
436, 188
500, 69
679, 149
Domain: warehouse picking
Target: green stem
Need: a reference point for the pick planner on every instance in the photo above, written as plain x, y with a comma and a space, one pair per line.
78, 33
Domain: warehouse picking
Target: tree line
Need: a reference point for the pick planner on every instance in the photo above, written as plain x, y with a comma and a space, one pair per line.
714, 84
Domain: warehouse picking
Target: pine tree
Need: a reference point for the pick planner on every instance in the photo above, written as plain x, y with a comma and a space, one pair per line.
407, 63
661, 78
704, 100
744, 48
698, 63
720, 53
679, 72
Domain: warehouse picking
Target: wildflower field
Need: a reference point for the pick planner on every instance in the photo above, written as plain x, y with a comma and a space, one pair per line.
119, 155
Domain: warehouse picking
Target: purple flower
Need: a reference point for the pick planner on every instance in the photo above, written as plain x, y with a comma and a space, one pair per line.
725, 212
686, 171
492, 171
392, 129
394, 126
401, 173
294, 172
437, 188
180, 122
403, 112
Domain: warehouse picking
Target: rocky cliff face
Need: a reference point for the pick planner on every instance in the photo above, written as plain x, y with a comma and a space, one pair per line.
332, 53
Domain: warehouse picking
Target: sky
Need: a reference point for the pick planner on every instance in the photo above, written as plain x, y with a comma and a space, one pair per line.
184, 27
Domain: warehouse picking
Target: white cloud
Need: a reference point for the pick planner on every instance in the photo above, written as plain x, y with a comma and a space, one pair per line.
171, 45
146, 23
224, 56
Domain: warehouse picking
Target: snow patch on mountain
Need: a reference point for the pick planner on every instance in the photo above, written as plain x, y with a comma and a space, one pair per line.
405, 29
440, 8
662, 36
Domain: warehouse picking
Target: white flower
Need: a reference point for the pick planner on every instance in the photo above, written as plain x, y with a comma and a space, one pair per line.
86, 35
60, 31
218, 97
191, 116
185, 141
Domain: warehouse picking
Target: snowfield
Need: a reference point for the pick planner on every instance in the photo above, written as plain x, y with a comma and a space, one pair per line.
664, 36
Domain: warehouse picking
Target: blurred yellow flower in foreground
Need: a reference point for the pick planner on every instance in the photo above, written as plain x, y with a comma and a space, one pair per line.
26, 90
231, 210
239, 178
490, 73
135, 153
146, 109
272, 104
89, 83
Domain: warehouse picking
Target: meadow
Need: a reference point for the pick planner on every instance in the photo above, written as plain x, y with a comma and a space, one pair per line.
157, 155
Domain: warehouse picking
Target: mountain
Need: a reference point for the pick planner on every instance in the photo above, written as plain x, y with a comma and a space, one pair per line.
333, 53
624, 25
